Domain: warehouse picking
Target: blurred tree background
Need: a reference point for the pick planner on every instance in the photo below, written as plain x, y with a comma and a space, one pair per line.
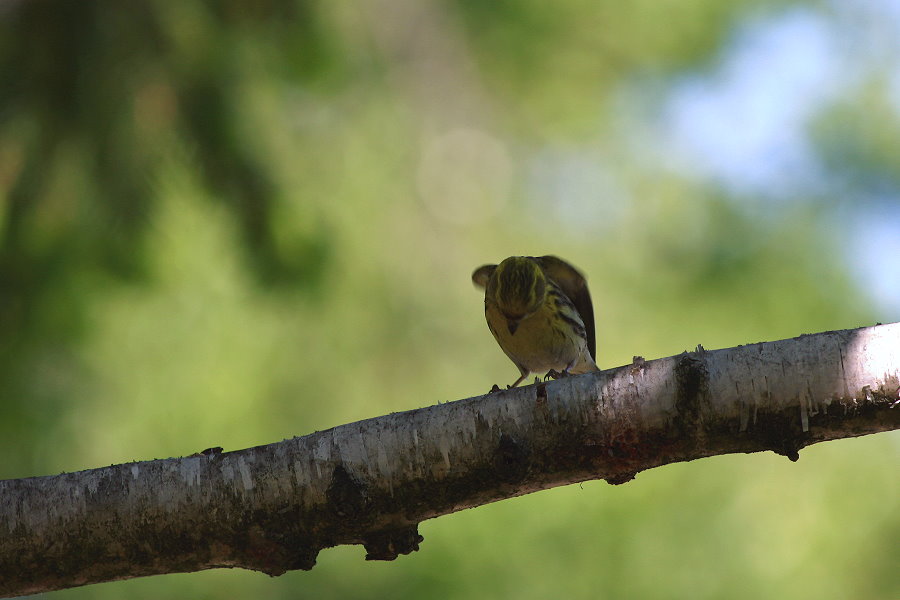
228, 223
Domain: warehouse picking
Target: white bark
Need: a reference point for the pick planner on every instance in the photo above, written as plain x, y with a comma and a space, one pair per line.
272, 508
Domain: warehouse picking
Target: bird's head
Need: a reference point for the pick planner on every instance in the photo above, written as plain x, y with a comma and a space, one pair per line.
518, 286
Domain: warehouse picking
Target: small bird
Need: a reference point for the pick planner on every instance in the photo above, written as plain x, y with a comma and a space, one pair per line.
539, 310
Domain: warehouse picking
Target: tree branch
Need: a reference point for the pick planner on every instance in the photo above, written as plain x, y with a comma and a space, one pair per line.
272, 508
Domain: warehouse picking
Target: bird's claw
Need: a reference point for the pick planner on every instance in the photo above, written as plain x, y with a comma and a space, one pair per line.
495, 389
554, 374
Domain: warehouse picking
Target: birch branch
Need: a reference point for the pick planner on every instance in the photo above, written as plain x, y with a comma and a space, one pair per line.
272, 508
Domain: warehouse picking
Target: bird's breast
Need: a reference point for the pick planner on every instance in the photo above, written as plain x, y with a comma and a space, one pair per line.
538, 344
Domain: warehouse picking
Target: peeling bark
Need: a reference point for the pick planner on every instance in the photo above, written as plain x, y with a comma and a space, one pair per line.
272, 508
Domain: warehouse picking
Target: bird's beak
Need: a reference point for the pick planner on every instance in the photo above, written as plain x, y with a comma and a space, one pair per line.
512, 325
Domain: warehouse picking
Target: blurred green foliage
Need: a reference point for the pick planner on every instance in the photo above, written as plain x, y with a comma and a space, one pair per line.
227, 223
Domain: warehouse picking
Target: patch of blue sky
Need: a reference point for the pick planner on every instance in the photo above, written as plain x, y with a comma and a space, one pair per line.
744, 125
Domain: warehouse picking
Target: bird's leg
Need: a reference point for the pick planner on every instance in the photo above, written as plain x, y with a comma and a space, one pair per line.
496, 387
518, 381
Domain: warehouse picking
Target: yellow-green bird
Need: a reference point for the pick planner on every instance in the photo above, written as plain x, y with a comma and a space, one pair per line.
539, 310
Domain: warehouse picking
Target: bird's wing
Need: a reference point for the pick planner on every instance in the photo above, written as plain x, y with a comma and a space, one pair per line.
573, 285
482, 274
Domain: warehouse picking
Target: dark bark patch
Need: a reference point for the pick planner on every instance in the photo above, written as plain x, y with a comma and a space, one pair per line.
511, 460
541, 398
620, 479
782, 433
302, 558
692, 394
346, 496
391, 543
